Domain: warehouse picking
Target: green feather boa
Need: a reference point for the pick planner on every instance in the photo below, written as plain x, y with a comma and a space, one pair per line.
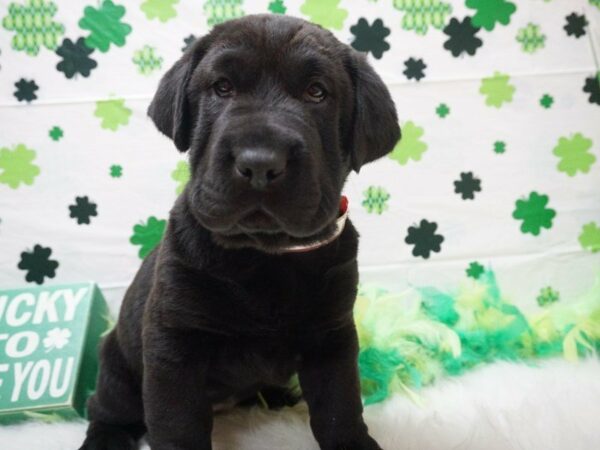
410, 339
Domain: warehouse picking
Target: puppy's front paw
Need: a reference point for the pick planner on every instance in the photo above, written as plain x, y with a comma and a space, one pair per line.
109, 443
106, 437
364, 443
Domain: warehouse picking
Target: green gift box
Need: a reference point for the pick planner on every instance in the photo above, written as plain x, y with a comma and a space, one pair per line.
48, 350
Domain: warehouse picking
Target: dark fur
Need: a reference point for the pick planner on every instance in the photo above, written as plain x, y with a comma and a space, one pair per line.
215, 313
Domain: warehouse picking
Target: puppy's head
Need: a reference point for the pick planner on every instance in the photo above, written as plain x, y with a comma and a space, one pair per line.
275, 112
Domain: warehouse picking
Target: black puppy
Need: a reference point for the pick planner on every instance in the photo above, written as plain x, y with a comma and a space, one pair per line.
256, 277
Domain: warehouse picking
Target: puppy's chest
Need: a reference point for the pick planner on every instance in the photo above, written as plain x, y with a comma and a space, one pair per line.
276, 312
240, 363
274, 301
279, 297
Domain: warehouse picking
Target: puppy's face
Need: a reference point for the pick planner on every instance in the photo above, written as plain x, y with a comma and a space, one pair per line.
275, 112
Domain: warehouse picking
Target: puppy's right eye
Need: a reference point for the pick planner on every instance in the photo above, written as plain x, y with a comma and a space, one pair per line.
315, 93
223, 88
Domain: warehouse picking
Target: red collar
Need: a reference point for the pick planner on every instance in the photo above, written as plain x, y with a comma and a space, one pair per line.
339, 227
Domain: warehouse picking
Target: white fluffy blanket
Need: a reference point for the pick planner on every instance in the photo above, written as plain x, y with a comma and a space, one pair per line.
500, 407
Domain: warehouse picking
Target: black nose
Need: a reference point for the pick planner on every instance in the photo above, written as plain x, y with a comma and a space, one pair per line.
260, 167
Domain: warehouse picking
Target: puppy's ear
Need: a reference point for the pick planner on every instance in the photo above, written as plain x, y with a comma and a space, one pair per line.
375, 129
170, 108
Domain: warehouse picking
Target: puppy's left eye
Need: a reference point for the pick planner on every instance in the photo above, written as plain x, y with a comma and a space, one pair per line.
315, 93
223, 88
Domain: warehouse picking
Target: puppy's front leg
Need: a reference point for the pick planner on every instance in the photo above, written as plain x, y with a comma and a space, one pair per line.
330, 385
178, 414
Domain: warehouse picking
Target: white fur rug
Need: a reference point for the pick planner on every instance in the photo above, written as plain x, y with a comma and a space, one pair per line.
500, 407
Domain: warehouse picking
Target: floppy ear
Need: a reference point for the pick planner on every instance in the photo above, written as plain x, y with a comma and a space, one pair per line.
170, 108
375, 129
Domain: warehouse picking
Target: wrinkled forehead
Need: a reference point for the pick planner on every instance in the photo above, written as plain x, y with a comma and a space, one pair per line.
300, 52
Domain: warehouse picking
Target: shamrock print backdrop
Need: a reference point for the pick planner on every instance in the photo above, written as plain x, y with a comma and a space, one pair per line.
499, 103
